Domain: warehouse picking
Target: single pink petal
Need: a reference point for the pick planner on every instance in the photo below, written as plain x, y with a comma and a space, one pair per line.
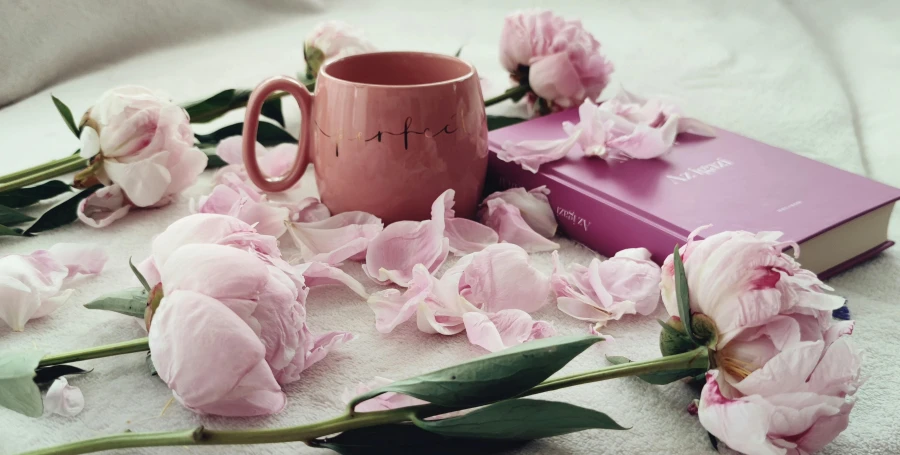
394, 252
392, 308
507, 220
278, 160
500, 277
64, 399
740, 424
838, 371
231, 151
143, 182
467, 236
644, 142
785, 372
504, 329
102, 208
17, 302
323, 344
220, 369
319, 274
307, 210
338, 238
534, 207
554, 78
382, 402
79, 258
531, 154
218, 271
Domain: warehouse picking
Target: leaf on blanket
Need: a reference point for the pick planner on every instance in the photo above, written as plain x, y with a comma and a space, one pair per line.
407, 438
663, 377
60, 214
499, 121
66, 114
12, 232
130, 302
494, 377
18, 391
48, 374
23, 197
521, 419
269, 134
9, 216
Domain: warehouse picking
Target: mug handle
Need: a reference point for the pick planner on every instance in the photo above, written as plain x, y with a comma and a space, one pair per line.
251, 124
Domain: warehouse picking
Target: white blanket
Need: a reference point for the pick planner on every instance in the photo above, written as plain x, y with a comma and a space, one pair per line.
815, 78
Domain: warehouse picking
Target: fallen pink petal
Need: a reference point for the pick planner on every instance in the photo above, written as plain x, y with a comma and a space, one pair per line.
345, 236
507, 220
531, 154
322, 274
104, 207
533, 205
235, 198
64, 399
465, 236
504, 329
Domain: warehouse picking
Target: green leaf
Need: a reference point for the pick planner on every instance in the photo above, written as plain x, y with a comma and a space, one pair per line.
12, 232
213, 161
404, 438
521, 419
268, 135
66, 114
9, 217
23, 197
498, 121
682, 294
18, 390
458, 52
663, 377
50, 373
207, 110
498, 376
140, 278
672, 339
272, 109
130, 302
62, 213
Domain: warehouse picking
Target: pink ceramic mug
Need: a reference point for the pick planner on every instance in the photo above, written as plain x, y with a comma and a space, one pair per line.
387, 133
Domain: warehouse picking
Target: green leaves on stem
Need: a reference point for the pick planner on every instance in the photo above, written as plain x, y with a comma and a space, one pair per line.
666, 377
60, 214
24, 197
682, 294
130, 302
66, 115
498, 121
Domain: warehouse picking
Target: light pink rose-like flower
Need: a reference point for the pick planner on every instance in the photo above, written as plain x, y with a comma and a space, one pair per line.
786, 372
64, 399
31, 286
336, 239
332, 40
235, 198
254, 336
488, 294
559, 59
604, 291
140, 143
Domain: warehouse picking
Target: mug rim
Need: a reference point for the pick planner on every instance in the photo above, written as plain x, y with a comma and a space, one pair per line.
323, 71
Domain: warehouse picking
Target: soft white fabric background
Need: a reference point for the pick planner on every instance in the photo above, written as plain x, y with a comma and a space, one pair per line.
814, 77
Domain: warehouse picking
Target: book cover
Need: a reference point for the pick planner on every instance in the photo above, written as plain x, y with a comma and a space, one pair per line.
729, 181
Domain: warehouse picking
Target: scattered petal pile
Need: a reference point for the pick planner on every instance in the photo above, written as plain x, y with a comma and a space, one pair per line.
31, 286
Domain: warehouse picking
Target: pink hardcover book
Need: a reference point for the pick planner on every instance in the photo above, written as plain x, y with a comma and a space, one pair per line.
730, 181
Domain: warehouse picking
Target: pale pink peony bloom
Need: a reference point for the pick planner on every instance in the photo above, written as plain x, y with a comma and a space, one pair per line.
563, 60
534, 205
332, 40
491, 283
511, 226
254, 337
64, 399
31, 286
604, 291
786, 373
141, 142
235, 198
336, 239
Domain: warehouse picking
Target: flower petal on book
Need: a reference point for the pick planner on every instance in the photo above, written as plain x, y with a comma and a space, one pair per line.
338, 238
531, 154
320, 274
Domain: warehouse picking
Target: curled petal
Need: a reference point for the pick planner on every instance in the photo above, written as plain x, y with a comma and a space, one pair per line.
382, 402
392, 307
501, 278
533, 205
90, 143
394, 252
338, 238
319, 274
102, 208
504, 329
467, 236
64, 399
307, 210
602, 293
741, 424
230, 150
532, 154
507, 220
323, 344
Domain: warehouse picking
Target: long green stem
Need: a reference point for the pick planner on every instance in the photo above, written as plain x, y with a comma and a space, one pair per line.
306, 433
125, 347
511, 93
40, 173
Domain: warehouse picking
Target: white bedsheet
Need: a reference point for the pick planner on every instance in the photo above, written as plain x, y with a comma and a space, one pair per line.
817, 78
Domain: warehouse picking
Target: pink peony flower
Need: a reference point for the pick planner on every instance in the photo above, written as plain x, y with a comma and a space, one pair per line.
786, 373
626, 283
332, 40
240, 200
254, 337
31, 286
140, 143
559, 59
488, 294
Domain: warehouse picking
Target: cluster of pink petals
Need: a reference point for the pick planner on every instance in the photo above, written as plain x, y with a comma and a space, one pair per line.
337, 238
31, 286
273, 162
234, 197
563, 60
626, 283
624, 127
145, 149
786, 372
521, 217
231, 327
64, 399
488, 294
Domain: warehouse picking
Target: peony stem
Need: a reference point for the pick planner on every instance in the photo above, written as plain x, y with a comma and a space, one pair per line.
307, 433
43, 172
518, 90
125, 347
